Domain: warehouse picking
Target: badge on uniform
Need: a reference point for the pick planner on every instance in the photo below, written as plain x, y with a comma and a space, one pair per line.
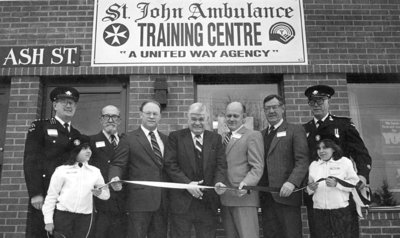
337, 133
52, 132
281, 134
317, 137
100, 144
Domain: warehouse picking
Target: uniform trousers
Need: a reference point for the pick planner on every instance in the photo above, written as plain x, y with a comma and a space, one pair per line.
200, 216
72, 225
241, 222
35, 223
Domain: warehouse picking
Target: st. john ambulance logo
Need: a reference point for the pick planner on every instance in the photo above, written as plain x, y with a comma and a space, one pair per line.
282, 32
116, 34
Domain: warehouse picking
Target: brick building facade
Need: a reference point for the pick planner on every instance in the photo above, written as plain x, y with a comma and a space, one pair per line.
348, 41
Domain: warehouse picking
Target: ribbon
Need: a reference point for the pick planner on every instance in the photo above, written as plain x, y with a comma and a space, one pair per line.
190, 186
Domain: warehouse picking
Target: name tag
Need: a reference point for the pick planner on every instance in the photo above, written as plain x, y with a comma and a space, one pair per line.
52, 132
100, 144
281, 134
236, 136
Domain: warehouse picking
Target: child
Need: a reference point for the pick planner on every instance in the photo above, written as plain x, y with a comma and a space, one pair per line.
68, 205
331, 199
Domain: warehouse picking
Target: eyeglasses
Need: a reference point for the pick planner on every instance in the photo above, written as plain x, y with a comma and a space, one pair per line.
65, 102
113, 117
318, 102
275, 107
149, 114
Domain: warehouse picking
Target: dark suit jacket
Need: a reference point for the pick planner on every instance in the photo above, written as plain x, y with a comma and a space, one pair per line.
47, 146
102, 155
135, 153
287, 160
180, 165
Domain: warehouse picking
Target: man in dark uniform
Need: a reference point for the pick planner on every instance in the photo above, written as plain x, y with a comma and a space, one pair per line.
47, 147
341, 130
110, 218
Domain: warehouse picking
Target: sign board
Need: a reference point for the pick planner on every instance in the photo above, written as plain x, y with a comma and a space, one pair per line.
198, 32
39, 56
390, 129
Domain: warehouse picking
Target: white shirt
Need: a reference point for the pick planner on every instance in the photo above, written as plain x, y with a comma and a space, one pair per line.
71, 190
332, 197
194, 138
158, 138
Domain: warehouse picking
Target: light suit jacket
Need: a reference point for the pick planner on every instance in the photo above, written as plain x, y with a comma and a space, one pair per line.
245, 158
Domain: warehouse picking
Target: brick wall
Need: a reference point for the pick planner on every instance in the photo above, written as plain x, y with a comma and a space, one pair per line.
23, 109
346, 36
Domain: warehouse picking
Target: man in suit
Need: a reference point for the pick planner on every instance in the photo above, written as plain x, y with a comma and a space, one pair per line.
47, 146
343, 132
141, 152
245, 157
286, 165
195, 156
110, 218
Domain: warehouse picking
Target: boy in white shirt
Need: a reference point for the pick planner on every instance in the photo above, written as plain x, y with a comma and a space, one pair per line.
331, 180
68, 205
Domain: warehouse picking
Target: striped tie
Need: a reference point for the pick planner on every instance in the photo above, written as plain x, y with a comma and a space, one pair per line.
113, 141
198, 145
155, 146
227, 138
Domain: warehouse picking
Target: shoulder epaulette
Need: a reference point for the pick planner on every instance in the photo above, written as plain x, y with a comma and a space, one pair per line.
339, 117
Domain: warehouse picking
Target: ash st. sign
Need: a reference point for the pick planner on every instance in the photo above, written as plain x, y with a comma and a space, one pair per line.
199, 32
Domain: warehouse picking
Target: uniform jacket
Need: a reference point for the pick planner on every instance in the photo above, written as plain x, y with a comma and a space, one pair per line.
135, 153
181, 166
47, 146
343, 132
287, 160
102, 155
245, 158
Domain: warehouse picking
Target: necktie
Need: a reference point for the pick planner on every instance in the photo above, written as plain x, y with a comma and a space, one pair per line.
80, 165
197, 144
319, 123
66, 125
227, 138
155, 146
270, 129
113, 141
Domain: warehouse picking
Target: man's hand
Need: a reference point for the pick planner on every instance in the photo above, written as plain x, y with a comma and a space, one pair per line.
49, 228
241, 191
37, 202
196, 192
363, 180
117, 186
287, 189
220, 188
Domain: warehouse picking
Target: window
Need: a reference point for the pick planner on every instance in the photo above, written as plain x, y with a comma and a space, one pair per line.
218, 91
375, 110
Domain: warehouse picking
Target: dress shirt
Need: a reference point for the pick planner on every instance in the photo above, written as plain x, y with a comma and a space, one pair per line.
200, 139
108, 136
323, 119
71, 190
277, 125
332, 197
63, 122
158, 138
